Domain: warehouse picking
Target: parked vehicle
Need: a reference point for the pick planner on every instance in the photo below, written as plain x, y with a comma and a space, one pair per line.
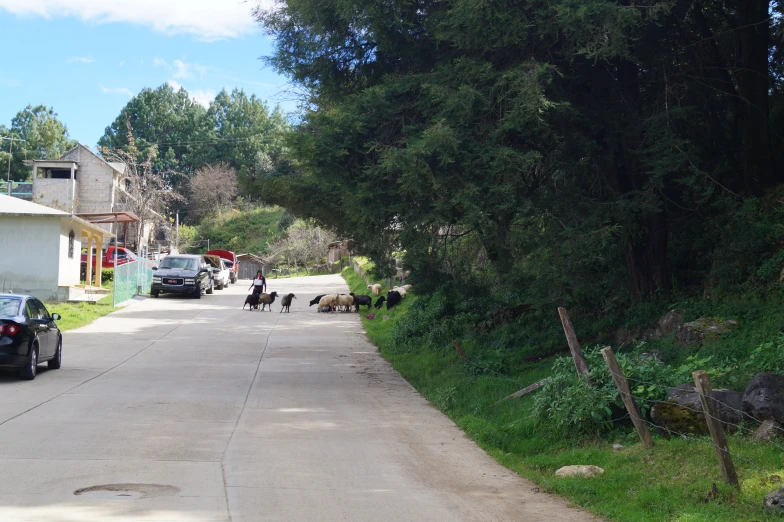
107, 260
182, 274
28, 335
221, 275
229, 256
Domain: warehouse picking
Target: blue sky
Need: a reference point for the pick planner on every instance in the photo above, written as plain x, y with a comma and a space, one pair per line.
86, 59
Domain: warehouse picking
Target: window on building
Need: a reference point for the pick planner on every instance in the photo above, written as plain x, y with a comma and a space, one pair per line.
62, 174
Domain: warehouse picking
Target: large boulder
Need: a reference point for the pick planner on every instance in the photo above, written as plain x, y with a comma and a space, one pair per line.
764, 397
682, 411
693, 333
668, 323
774, 501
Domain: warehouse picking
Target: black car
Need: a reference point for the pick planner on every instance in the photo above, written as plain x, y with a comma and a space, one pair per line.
28, 335
182, 274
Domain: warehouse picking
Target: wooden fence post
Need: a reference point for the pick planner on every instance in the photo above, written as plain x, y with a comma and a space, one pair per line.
705, 391
574, 345
623, 387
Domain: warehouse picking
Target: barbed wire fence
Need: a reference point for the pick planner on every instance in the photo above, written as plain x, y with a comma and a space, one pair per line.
713, 418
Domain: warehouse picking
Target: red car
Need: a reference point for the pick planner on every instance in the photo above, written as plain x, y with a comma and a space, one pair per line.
231, 259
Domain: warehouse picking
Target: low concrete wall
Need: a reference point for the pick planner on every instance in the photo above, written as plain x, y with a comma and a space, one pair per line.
53, 193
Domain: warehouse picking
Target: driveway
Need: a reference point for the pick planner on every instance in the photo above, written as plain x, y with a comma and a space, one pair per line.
178, 409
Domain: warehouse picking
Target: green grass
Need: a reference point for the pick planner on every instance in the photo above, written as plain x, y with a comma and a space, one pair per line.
76, 315
674, 481
242, 231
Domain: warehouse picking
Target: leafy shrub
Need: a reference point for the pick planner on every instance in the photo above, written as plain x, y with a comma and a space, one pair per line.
107, 276
572, 407
767, 357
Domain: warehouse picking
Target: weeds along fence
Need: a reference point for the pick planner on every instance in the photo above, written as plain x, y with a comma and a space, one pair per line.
711, 410
131, 279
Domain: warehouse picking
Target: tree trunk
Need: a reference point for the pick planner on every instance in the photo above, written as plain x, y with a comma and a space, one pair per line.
754, 83
646, 228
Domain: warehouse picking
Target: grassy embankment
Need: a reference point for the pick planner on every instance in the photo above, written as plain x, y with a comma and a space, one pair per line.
678, 480
242, 231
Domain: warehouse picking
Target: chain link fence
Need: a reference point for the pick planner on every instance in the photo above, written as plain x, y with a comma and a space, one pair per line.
131, 279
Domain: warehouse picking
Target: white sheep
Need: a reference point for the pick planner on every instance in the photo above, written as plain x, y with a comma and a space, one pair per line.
376, 289
327, 300
406, 287
345, 300
401, 291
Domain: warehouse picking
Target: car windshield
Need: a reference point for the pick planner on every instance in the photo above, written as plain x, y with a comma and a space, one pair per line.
9, 306
228, 264
180, 263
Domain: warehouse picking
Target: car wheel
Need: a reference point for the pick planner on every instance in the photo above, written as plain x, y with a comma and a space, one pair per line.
219, 286
29, 370
197, 293
54, 364
209, 290
156, 293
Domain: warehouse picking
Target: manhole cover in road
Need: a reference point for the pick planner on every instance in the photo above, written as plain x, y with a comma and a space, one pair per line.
127, 491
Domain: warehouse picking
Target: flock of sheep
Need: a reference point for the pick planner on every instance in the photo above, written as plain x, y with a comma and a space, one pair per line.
343, 302
332, 302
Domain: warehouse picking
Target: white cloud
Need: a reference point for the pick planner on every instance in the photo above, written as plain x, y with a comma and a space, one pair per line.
187, 70
116, 90
159, 62
122, 63
80, 59
204, 19
203, 98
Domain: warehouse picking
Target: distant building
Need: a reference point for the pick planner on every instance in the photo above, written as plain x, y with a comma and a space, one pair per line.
81, 182
338, 250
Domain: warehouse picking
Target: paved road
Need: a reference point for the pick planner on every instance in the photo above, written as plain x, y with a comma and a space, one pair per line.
198, 411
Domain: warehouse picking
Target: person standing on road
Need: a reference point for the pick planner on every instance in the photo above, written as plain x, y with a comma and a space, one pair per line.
259, 284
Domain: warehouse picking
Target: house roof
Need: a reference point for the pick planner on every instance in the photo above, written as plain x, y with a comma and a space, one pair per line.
15, 207
109, 217
118, 167
10, 206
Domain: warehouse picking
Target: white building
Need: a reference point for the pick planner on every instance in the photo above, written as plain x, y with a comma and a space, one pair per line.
41, 251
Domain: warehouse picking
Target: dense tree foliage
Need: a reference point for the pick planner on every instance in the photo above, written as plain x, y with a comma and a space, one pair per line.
590, 151
236, 130
44, 135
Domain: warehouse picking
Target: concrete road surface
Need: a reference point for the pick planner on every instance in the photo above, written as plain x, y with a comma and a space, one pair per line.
178, 409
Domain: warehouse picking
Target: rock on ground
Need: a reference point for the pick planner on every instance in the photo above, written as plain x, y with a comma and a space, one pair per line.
682, 411
764, 397
774, 501
668, 323
693, 333
769, 430
579, 471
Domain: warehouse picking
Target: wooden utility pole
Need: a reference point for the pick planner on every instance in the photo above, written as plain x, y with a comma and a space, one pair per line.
702, 383
623, 388
574, 345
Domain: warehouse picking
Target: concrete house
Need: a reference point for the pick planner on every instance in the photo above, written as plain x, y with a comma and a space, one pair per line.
41, 251
80, 182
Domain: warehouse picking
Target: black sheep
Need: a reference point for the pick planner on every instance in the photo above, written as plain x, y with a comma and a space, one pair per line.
286, 303
316, 300
360, 300
380, 302
253, 301
393, 298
